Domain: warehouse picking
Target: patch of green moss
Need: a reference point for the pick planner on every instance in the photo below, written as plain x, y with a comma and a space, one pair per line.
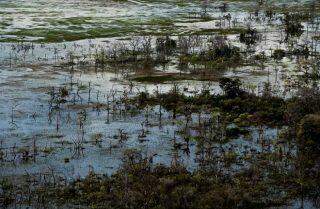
49, 36
162, 22
222, 31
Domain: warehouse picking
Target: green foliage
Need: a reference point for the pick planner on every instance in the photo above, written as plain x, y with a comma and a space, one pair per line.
262, 109
165, 44
279, 54
249, 36
267, 110
6, 193
306, 102
231, 87
139, 185
221, 52
293, 26
235, 132
218, 57
309, 133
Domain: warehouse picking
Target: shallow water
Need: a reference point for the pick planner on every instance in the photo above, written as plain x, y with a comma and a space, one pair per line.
29, 70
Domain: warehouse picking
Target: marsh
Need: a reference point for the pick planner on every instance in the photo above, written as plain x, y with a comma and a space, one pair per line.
159, 104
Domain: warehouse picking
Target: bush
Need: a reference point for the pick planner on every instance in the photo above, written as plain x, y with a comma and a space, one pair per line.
231, 87
249, 36
279, 54
309, 132
306, 102
293, 26
165, 45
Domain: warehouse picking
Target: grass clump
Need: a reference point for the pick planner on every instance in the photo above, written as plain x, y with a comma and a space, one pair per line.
293, 26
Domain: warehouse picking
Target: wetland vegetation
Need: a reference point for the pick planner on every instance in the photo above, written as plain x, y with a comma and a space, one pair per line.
160, 104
